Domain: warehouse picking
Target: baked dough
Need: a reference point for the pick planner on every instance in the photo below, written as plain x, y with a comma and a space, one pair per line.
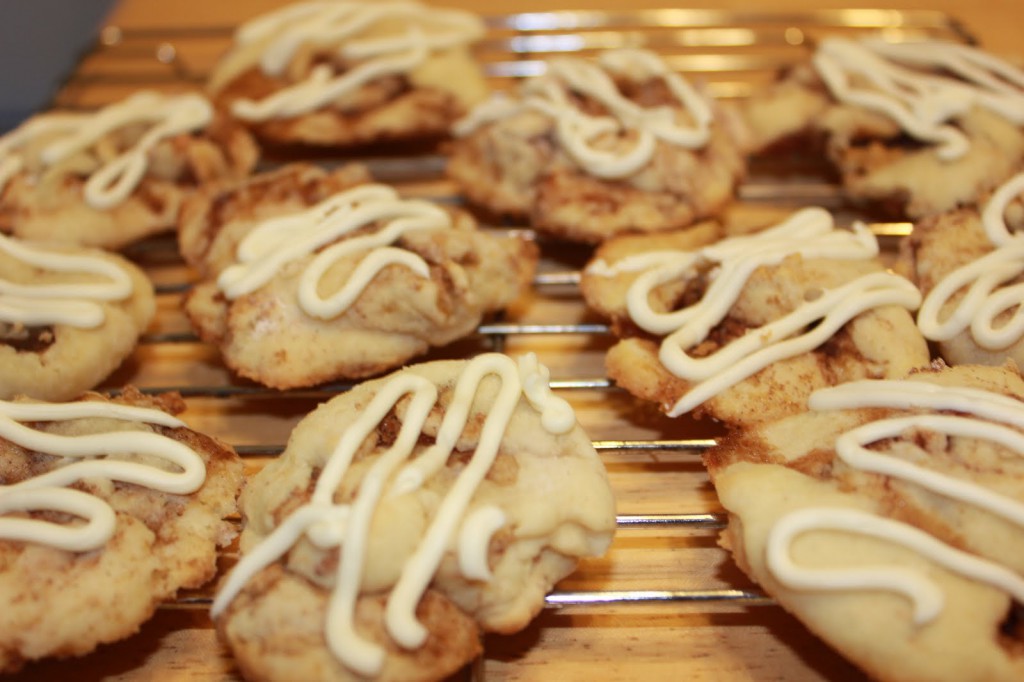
951, 148
68, 317
588, 151
743, 329
112, 177
348, 287
216, 219
969, 263
462, 490
342, 74
61, 602
799, 491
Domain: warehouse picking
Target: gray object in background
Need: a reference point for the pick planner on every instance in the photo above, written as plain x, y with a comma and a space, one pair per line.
40, 42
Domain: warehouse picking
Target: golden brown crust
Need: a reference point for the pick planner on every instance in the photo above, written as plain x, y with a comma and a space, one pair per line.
879, 343
58, 362
943, 243
232, 203
516, 166
390, 112
552, 490
50, 206
879, 165
420, 104
266, 336
607, 295
275, 630
767, 471
60, 603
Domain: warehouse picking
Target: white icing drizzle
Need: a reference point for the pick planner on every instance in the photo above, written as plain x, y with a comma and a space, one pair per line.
985, 299
779, 339
346, 28
71, 303
902, 83
926, 597
329, 524
70, 134
987, 410
557, 415
810, 233
577, 132
474, 541
278, 241
91, 456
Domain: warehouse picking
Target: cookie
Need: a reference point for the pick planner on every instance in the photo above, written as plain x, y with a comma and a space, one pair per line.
214, 220
968, 264
68, 317
111, 177
743, 329
107, 508
914, 128
408, 515
348, 287
589, 150
888, 519
342, 74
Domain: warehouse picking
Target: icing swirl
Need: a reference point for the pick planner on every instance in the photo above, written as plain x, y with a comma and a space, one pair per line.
580, 133
993, 417
922, 85
400, 469
63, 135
985, 298
70, 303
181, 470
810, 233
350, 30
275, 242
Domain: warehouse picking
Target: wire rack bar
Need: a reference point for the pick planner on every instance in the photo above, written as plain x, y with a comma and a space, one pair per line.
701, 41
565, 600
692, 445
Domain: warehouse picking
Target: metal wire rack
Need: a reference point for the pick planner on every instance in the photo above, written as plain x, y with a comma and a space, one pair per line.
730, 52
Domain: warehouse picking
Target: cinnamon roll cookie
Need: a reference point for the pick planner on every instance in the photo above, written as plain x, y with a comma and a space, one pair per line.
890, 520
916, 128
408, 515
347, 73
111, 177
68, 317
107, 508
745, 328
215, 220
589, 150
969, 264
347, 287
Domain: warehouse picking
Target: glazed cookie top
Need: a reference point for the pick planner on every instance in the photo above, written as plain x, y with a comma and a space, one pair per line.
895, 505
375, 40
990, 305
589, 139
343, 218
726, 267
51, 139
416, 457
950, 411
81, 281
922, 85
146, 459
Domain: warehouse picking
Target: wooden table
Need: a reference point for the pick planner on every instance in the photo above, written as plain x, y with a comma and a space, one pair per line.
731, 636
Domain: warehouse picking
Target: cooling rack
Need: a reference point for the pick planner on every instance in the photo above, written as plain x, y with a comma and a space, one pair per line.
666, 592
